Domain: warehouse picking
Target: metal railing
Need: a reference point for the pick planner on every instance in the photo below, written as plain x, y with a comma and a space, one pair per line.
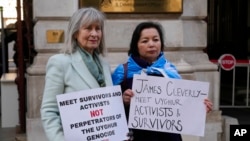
234, 85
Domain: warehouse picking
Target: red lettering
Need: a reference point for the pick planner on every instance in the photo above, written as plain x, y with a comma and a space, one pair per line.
96, 113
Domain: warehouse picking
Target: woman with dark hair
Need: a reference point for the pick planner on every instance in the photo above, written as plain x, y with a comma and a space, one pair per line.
146, 54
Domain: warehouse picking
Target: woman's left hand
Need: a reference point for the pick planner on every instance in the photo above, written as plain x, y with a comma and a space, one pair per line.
209, 105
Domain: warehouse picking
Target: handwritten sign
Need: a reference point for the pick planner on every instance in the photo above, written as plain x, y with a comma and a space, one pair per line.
168, 105
93, 115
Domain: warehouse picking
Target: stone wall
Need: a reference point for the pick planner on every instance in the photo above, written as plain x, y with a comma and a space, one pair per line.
186, 37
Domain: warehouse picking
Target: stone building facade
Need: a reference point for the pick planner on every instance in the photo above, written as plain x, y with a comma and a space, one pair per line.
186, 37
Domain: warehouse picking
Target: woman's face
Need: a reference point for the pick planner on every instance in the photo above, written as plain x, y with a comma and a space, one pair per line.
89, 37
149, 45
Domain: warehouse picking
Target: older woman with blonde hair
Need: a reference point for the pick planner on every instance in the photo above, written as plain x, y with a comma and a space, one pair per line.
79, 66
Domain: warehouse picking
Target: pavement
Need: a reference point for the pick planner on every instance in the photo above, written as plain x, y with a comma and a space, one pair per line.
11, 134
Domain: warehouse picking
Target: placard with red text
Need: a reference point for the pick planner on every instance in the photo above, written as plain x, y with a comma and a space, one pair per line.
93, 115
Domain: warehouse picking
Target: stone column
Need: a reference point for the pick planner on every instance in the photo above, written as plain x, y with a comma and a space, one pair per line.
49, 15
186, 37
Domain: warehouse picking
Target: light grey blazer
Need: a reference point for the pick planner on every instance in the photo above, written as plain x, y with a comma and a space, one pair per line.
65, 73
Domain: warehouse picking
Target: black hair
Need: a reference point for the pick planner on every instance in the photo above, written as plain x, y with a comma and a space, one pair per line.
137, 33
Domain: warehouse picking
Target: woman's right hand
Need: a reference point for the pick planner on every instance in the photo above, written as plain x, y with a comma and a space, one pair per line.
127, 94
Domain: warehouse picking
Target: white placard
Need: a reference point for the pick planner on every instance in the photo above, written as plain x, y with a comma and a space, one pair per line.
168, 105
93, 115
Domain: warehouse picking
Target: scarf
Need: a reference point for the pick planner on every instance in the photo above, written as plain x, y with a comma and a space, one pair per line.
93, 64
136, 66
160, 67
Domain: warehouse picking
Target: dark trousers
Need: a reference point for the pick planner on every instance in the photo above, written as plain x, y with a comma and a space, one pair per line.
144, 135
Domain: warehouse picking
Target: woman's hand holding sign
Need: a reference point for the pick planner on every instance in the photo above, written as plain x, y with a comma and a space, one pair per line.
209, 105
127, 96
